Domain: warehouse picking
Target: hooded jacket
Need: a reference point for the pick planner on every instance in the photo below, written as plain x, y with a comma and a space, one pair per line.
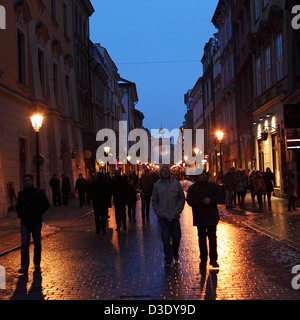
167, 198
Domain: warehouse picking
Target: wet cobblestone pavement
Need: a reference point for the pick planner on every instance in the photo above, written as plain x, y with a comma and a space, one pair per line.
78, 264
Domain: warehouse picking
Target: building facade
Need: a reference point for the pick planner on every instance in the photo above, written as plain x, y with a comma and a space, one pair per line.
38, 74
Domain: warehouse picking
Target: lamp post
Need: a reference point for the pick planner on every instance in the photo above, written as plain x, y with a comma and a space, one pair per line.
220, 136
106, 152
37, 122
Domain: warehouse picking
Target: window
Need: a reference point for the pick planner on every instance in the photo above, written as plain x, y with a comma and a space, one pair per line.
55, 82
266, 3
41, 63
22, 163
258, 76
65, 14
256, 9
21, 58
53, 9
279, 57
268, 68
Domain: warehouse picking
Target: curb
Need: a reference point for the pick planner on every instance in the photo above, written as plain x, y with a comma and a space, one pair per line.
46, 235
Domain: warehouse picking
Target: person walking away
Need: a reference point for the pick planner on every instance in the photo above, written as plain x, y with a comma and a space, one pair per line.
251, 177
65, 189
31, 205
101, 200
229, 185
80, 186
259, 187
270, 182
145, 185
290, 183
203, 197
55, 186
119, 199
131, 199
168, 201
240, 187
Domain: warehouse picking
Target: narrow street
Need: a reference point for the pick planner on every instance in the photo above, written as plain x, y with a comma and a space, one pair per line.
78, 264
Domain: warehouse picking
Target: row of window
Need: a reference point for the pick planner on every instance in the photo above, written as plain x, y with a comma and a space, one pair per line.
268, 66
22, 67
257, 4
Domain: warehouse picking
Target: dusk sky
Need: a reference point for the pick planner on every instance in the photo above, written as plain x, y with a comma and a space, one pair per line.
143, 38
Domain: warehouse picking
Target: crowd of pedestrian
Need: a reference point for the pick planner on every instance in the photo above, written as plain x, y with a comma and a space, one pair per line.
168, 200
260, 184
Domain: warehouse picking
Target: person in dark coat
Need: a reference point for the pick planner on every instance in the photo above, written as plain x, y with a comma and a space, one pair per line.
131, 198
65, 189
101, 199
270, 182
145, 185
31, 205
119, 199
81, 187
203, 197
290, 184
55, 186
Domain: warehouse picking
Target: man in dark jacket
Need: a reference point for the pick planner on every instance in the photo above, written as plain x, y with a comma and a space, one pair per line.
145, 185
101, 200
203, 197
32, 204
81, 187
55, 186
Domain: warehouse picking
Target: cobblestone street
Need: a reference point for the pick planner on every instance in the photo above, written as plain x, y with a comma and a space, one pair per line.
79, 264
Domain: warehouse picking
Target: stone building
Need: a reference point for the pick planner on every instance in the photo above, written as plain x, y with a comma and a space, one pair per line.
38, 74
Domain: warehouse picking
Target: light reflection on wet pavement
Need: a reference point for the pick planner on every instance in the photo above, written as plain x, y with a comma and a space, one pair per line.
79, 264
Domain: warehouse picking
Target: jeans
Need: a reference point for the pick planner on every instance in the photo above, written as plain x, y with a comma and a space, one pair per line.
228, 197
170, 230
120, 213
25, 236
210, 232
146, 206
81, 196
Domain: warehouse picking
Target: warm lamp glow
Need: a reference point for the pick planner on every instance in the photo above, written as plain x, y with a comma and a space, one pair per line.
220, 136
196, 150
37, 122
106, 150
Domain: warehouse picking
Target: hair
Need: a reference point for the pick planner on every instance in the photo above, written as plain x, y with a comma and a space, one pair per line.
28, 176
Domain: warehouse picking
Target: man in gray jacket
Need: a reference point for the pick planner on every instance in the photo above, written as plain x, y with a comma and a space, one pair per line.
168, 202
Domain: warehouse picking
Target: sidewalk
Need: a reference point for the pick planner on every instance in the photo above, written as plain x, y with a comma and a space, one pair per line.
275, 221
55, 219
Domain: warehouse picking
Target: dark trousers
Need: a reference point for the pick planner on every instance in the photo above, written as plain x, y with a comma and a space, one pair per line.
146, 206
171, 235
65, 198
56, 197
210, 232
259, 198
100, 218
81, 196
25, 237
131, 211
120, 213
292, 203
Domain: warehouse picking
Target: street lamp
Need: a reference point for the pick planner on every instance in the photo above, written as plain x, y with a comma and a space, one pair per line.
106, 152
220, 136
37, 122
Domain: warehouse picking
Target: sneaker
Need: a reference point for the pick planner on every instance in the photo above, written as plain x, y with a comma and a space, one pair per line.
214, 264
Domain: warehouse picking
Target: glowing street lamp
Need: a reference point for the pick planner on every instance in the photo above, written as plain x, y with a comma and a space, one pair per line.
220, 136
106, 152
37, 122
